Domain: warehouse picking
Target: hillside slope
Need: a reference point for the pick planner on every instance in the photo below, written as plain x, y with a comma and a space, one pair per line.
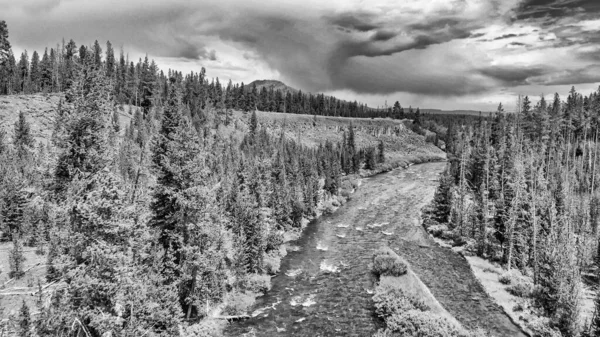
400, 143
40, 111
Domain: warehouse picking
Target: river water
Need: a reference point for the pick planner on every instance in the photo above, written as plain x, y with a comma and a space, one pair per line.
325, 287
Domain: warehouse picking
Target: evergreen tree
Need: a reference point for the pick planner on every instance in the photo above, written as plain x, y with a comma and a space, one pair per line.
23, 139
253, 123
35, 72
87, 130
380, 152
5, 58
16, 258
110, 60
25, 322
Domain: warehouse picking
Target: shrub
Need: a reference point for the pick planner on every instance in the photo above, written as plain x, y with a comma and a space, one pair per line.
237, 303
423, 324
387, 263
271, 263
258, 283
437, 230
490, 270
541, 328
390, 300
274, 240
520, 288
506, 278
518, 307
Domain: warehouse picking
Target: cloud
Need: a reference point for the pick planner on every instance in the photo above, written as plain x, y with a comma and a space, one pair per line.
383, 35
360, 21
514, 75
589, 74
438, 48
552, 10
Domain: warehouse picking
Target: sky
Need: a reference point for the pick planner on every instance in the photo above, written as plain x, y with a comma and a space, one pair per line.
445, 54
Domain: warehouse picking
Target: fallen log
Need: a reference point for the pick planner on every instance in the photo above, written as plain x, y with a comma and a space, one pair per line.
14, 278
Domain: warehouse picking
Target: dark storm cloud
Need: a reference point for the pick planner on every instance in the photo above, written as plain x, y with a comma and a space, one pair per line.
554, 9
589, 74
384, 48
508, 36
383, 35
187, 50
360, 21
513, 75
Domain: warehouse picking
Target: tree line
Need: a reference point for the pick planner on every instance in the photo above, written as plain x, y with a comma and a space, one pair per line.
141, 83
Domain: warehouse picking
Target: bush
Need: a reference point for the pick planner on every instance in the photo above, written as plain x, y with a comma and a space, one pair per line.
271, 263
258, 283
274, 240
390, 300
237, 303
387, 263
437, 230
506, 278
520, 288
518, 307
423, 324
541, 328
517, 286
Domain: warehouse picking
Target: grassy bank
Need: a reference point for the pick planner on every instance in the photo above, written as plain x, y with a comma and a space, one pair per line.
406, 305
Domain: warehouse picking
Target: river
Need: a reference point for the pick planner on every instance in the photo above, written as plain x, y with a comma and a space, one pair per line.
325, 287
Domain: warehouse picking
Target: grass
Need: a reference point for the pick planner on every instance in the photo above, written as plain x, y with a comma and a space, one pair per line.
40, 110
28, 283
409, 308
495, 281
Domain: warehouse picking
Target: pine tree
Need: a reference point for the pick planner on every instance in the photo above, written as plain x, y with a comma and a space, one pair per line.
110, 60
46, 73
5, 56
25, 322
87, 130
253, 123
35, 72
442, 198
4, 43
23, 139
380, 152
16, 258
23, 73
164, 203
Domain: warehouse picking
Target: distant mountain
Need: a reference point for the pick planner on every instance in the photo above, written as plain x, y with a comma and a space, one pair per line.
276, 85
454, 112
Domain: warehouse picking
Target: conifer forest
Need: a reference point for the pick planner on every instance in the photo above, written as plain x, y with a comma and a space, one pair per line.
141, 198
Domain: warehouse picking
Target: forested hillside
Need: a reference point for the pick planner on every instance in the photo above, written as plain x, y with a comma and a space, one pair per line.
155, 208
522, 189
